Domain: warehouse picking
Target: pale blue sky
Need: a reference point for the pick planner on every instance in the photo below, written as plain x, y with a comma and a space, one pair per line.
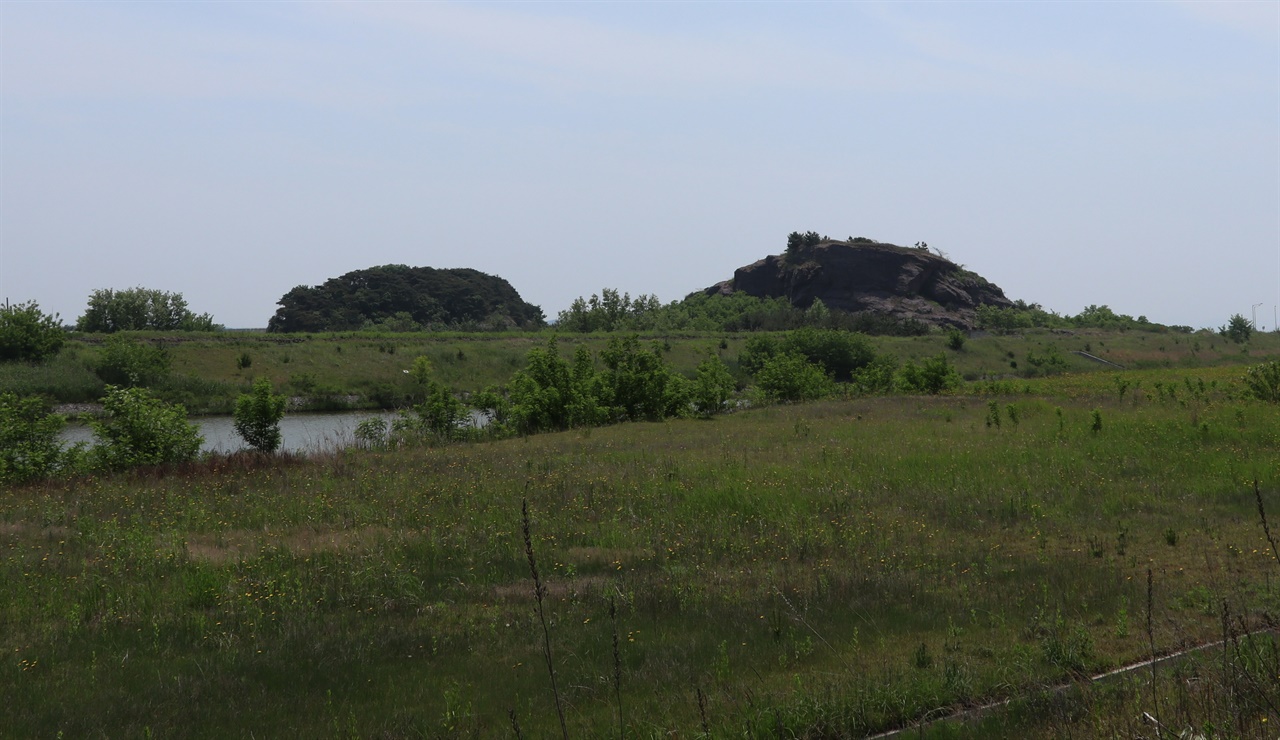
1074, 153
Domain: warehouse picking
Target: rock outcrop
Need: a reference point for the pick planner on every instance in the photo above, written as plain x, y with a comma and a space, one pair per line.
857, 276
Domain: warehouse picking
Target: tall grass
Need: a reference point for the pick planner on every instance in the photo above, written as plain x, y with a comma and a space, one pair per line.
827, 570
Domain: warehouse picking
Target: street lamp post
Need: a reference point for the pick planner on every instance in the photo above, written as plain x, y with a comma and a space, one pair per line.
1255, 315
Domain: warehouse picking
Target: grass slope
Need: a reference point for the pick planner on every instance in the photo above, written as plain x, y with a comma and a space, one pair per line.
826, 570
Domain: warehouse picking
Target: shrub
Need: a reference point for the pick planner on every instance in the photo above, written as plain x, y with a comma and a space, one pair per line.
1238, 329
1050, 362
634, 383
756, 351
933, 376
840, 353
549, 394
29, 445
712, 386
139, 429
257, 416
29, 334
955, 339
372, 432
440, 412
131, 363
1263, 382
791, 377
877, 377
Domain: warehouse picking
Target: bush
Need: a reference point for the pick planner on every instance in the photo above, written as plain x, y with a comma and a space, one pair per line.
131, 363
29, 445
1263, 382
634, 383
877, 377
934, 376
372, 432
1238, 329
257, 417
441, 412
138, 309
955, 339
1050, 362
791, 377
139, 429
756, 351
28, 334
840, 353
712, 386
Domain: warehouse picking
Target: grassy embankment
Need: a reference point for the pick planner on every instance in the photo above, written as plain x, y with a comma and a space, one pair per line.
367, 370
821, 570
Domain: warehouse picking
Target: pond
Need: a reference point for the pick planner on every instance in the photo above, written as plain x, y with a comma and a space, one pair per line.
303, 431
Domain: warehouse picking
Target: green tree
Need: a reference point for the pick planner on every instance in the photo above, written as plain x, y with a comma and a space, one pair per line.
29, 445
933, 376
791, 377
840, 353
610, 311
29, 334
758, 350
1238, 329
138, 309
257, 416
139, 429
131, 363
712, 386
797, 242
634, 382
407, 296
550, 394
877, 377
817, 314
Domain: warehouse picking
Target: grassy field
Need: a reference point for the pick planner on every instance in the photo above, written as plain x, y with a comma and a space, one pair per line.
367, 370
825, 570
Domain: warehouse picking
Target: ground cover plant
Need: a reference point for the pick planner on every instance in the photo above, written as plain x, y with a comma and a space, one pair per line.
828, 569
208, 371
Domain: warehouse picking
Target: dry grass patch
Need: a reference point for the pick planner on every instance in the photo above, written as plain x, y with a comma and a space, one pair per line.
235, 545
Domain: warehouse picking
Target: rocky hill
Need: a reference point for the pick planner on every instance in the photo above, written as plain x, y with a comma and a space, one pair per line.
863, 275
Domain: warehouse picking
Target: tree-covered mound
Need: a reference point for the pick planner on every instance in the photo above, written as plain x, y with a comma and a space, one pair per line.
402, 298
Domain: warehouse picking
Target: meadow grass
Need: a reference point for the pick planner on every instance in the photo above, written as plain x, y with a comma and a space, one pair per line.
367, 370
822, 570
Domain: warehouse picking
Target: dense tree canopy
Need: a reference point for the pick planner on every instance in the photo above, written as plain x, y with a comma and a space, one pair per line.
138, 309
398, 297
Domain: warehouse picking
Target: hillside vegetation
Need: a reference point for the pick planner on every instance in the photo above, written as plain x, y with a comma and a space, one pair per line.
405, 298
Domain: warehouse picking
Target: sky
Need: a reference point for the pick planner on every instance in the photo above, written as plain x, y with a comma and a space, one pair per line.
1112, 153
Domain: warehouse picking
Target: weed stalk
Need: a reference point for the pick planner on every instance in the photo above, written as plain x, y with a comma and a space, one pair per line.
617, 665
1262, 514
539, 592
1151, 643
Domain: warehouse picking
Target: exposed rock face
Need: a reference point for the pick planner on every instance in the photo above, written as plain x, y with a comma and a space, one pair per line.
869, 276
